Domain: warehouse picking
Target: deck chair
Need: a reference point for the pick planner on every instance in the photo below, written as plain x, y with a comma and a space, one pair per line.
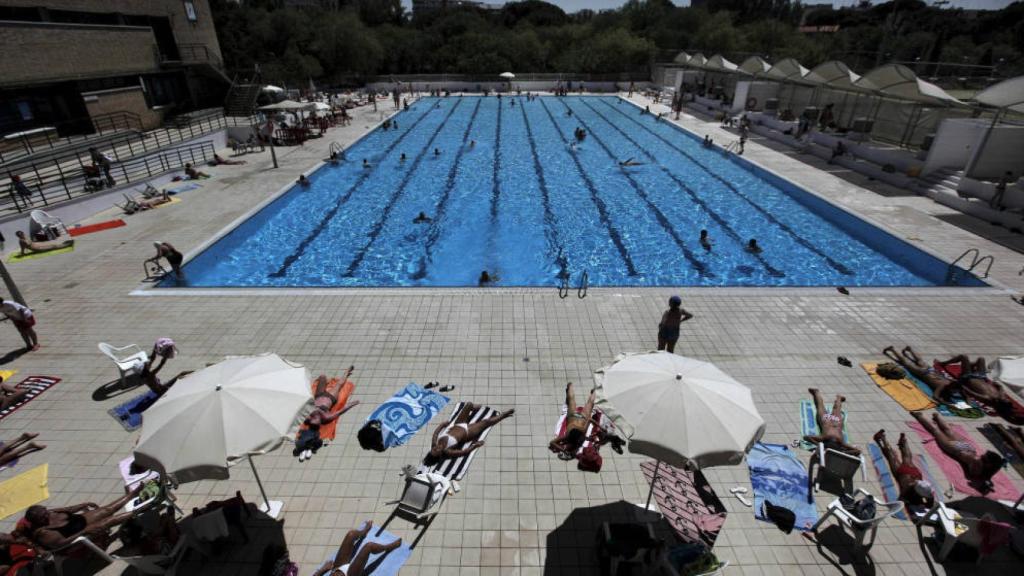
834, 464
129, 359
860, 528
41, 222
130, 206
422, 498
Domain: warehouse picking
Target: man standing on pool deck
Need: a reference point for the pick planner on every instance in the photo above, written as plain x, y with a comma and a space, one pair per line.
668, 329
23, 319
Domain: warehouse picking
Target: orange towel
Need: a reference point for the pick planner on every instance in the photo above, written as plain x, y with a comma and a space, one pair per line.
329, 430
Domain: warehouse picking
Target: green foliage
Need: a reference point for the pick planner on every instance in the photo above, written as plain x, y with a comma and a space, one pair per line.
363, 38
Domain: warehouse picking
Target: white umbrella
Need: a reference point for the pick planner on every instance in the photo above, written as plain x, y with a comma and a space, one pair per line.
679, 410
321, 106
272, 88
508, 75
212, 419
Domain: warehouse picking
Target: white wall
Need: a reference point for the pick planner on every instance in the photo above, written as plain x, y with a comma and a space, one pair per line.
954, 143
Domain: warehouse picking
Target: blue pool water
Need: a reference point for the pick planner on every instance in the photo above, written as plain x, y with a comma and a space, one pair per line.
509, 193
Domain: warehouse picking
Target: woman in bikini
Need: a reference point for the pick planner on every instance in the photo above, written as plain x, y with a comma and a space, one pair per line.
51, 529
576, 424
349, 563
459, 431
915, 491
830, 424
977, 469
941, 386
974, 382
20, 448
326, 397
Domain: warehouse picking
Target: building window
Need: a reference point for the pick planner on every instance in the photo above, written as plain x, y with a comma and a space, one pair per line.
190, 11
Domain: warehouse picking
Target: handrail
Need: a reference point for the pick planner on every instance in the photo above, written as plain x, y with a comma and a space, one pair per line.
976, 260
988, 258
563, 287
581, 292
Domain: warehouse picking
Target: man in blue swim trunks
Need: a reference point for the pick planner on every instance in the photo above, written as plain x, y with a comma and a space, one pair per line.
668, 329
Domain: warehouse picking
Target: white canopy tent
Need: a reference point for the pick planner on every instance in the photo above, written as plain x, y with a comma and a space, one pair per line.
834, 74
900, 82
1007, 95
787, 70
681, 58
718, 63
698, 60
754, 66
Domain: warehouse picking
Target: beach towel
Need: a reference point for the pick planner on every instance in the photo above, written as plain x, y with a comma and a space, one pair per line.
596, 418
17, 257
809, 424
133, 480
903, 391
1002, 488
184, 188
406, 412
958, 405
381, 564
780, 478
330, 430
172, 201
687, 502
129, 413
24, 490
1003, 447
36, 385
890, 488
456, 468
97, 227
953, 372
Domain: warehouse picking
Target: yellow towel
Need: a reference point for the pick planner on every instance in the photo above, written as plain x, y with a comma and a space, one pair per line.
5, 375
173, 201
23, 490
17, 257
903, 391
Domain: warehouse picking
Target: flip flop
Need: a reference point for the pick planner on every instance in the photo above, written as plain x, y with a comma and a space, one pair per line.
430, 385
447, 388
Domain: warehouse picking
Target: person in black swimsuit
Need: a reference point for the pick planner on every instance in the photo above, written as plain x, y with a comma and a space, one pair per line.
668, 328
52, 529
174, 258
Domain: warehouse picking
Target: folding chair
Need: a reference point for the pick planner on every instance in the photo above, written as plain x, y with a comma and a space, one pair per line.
860, 528
834, 464
129, 359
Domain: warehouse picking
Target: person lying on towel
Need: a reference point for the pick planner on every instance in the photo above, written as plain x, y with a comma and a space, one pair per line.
915, 491
347, 562
975, 383
33, 247
942, 387
978, 470
830, 425
325, 398
449, 435
576, 425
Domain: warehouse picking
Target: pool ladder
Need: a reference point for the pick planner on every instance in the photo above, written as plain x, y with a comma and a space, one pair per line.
975, 262
335, 147
581, 290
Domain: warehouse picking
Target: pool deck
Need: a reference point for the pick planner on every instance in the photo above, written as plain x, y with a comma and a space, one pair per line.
504, 348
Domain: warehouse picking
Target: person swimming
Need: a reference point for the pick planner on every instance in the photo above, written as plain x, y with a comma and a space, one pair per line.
303, 180
753, 247
421, 218
402, 158
705, 242
708, 142
486, 278
366, 163
437, 151
630, 162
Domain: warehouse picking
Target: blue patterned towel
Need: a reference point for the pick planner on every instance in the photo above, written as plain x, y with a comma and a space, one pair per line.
778, 477
129, 414
889, 486
406, 412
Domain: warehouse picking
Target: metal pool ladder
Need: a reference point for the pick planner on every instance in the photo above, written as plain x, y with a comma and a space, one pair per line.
975, 262
581, 291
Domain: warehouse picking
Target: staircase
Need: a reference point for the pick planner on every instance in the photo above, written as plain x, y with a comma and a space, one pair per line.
241, 98
942, 182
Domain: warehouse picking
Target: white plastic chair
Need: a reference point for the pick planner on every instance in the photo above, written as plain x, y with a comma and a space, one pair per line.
129, 359
860, 528
956, 528
50, 225
836, 464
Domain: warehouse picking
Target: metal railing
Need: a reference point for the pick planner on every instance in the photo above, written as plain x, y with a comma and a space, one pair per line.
65, 185
103, 124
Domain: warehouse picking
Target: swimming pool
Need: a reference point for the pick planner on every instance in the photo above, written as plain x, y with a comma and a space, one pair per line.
509, 191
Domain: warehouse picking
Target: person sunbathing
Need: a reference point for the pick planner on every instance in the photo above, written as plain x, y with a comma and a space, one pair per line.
460, 431
975, 383
35, 247
325, 397
10, 394
830, 424
51, 529
132, 205
194, 174
977, 469
941, 386
576, 424
19, 448
348, 562
218, 161
915, 491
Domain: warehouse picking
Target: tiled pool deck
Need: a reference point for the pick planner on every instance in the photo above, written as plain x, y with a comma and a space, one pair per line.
502, 347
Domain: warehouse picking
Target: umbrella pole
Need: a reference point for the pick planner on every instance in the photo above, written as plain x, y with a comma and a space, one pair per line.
653, 481
270, 507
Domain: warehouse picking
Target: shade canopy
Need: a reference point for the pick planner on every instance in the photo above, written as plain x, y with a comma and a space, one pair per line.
754, 66
272, 88
681, 58
679, 410
718, 63
288, 106
834, 74
507, 75
787, 70
1007, 94
697, 60
212, 418
899, 82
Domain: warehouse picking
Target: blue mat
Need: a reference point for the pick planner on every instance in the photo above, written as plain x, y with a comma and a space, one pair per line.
392, 561
885, 478
780, 478
129, 414
406, 412
183, 188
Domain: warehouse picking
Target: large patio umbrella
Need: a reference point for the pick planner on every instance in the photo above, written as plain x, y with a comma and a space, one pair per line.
679, 410
507, 75
214, 418
288, 106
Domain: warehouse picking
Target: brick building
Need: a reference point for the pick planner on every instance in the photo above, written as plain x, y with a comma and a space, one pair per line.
66, 63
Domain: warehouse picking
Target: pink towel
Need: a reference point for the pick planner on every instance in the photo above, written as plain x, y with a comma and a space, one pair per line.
596, 417
1002, 488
